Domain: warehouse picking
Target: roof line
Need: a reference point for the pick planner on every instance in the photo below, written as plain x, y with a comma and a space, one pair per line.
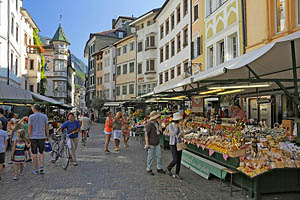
164, 5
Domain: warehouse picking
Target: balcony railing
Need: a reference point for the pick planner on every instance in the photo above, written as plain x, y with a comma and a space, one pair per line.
58, 74
60, 94
150, 74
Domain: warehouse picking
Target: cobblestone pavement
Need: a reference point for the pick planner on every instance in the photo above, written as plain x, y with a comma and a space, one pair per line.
114, 176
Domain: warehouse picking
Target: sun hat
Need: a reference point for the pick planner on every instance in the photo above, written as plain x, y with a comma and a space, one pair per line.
177, 116
154, 115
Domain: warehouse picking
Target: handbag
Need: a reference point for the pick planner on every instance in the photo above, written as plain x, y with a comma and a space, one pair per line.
180, 146
48, 147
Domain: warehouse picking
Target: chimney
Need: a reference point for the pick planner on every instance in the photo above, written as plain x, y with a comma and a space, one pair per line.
113, 23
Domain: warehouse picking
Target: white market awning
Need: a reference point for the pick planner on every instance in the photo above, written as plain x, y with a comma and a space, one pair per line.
271, 62
113, 104
46, 99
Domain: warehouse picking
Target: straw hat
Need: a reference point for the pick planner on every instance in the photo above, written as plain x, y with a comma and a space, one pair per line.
177, 116
154, 115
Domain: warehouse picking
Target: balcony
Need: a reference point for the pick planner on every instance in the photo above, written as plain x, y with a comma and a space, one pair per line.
60, 94
150, 74
57, 74
60, 57
35, 49
150, 48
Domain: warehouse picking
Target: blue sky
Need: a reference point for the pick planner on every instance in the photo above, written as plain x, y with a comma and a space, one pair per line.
82, 17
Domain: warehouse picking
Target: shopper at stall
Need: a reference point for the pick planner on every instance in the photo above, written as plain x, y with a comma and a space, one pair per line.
153, 130
175, 138
108, 130
125, 129
73, 128
38, 131
117, 130
238, 113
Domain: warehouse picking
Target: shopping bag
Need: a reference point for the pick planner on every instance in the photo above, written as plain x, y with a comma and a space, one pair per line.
48, 147
181, 146
69, 143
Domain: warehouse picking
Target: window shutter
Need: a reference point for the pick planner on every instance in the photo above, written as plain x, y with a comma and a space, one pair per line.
198, 46
193, 53
201, 45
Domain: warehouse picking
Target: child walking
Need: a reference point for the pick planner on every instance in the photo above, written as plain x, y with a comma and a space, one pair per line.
18, 153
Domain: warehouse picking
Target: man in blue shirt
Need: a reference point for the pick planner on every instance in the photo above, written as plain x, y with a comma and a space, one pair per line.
73, 128
3, 146
38, 131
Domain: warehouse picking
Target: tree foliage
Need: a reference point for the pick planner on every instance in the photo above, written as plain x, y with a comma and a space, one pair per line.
98, 103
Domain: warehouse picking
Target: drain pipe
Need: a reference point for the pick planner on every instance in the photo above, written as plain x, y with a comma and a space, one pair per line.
244, 18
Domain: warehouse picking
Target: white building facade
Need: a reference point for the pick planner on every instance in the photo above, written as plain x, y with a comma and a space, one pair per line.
174, 48
147, 43
223, 32
109, 68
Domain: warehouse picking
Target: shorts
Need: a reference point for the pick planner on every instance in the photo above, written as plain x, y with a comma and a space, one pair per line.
107, 133
26, 148
2, 158
117, 134
37, 144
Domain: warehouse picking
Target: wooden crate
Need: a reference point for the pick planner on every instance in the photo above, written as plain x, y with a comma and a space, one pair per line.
237, 153
289, 126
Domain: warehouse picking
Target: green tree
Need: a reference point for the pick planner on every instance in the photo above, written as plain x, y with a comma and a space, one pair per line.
98, 103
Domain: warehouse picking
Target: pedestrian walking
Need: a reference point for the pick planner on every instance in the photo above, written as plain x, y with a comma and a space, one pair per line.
175, 138
117, 130
153, 130
3, 119
25, 126
38, 131
18, 153
125, 130
3, 147
85, 123
108, 130
73, 128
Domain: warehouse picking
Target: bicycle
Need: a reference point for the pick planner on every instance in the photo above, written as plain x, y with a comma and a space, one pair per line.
84, 136
61, 149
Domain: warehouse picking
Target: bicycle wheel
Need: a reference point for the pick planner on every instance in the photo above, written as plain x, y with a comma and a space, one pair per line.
84, 139
65, 156
54, 154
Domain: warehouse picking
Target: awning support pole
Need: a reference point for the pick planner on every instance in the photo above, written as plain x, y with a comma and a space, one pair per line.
251, 70
296, 98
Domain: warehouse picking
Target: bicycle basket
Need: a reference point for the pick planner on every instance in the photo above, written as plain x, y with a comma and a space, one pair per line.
56, 137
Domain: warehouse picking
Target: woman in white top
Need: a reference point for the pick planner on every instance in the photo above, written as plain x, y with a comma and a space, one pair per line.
175, 137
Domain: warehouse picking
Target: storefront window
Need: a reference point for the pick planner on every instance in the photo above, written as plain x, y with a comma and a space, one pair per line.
280, 15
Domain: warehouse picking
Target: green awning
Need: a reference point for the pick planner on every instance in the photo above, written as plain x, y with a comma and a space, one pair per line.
10, 94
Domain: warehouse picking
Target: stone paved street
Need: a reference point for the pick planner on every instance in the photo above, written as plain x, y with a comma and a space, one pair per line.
114, 176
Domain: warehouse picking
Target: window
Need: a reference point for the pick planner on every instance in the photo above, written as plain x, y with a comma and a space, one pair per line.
118, 70
211, 56
186, 66
31, 88
101, 80
125, 49
185, 7
298, 11
196, 12
31, 64
119, 51
17, 4
144, 91
172, 47
140, 68
17, 33
167, 26
26, 63
131, 89
167, 51
161, 54
131, 67
11, 62
162, 31
196, 47
166, 76
172, 21
154, 85
26, 83
124, 90
60, 65
59, 86
12, 26
150, 41
178, 13
149, 88
280, 15
125, 69
106, 78
150, 65
178, 43
98, 81
221, 52
106, 93
16, 66
178, 70
160, 78
140, 46
25, 39
185, 37
172, 73
209, 7
140, 90
233, 46
118, 91
131, 46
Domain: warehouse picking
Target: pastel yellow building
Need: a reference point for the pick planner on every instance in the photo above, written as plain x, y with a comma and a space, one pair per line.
223, 31
126, 68
99, 74
198, 34
269, 20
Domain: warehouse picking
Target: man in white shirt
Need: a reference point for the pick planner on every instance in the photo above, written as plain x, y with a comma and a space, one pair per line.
85, 123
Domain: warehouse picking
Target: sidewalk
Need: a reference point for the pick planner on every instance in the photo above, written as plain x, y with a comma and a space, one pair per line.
114, 176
